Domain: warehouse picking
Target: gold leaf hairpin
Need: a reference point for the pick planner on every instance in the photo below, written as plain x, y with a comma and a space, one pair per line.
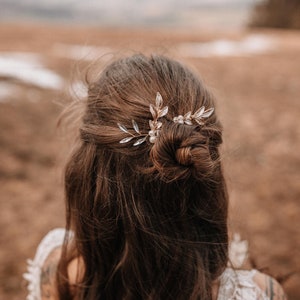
142, 137
199, 116
158, 111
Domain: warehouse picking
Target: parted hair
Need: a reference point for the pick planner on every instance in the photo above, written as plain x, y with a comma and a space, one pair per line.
149, 221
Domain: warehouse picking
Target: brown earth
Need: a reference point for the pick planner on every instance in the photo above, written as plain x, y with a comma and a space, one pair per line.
258, 101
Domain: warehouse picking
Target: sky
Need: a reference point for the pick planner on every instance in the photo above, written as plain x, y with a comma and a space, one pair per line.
188, 13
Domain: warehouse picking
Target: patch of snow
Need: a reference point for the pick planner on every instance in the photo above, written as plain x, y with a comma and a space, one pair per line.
251, 45
78, 90
28, 68
82, 52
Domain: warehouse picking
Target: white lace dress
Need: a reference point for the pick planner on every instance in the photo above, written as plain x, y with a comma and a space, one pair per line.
234, 284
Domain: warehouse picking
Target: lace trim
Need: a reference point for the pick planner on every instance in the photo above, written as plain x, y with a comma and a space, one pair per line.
237, 251
234, 284
239, 285
51, 241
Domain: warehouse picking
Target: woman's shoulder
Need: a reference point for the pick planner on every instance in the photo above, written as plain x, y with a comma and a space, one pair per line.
41, 269
250, 285
270, 286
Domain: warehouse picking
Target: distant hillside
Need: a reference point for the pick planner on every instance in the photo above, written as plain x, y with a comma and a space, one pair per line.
277, 13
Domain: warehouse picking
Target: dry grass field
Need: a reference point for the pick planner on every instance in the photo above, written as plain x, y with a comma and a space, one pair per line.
259, 104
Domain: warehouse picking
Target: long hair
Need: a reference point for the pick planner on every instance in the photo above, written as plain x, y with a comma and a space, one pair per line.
149, 221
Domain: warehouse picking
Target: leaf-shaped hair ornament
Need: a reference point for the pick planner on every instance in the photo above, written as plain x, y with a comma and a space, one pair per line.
199, 116
123, 128
135, 126
158, 111
153, 111
140, 141
158, 100
126, 140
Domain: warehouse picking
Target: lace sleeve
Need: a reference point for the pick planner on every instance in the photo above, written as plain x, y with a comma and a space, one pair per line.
51, 241
240, 285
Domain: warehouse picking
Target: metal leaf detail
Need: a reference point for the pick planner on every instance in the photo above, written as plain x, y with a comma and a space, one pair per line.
163, 112
198, 117
158, 111
135, 126
153, 111
188, 122
158, 125
140, 141
188, 115
199, 121
158, 100
126, 140
207, 113
123, 128
199, 112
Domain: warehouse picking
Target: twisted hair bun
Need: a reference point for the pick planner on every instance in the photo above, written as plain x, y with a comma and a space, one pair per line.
182, 151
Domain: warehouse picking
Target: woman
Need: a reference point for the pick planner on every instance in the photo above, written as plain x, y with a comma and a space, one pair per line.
145, 195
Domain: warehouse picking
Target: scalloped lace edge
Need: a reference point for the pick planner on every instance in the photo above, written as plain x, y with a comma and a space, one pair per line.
234, 284
52, 240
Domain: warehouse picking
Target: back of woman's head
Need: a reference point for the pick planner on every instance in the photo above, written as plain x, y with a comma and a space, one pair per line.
150, 220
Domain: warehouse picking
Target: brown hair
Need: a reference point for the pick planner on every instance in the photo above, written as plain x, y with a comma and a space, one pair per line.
150, 221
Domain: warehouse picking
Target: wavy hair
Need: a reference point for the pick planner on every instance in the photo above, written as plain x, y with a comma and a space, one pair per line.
149, 221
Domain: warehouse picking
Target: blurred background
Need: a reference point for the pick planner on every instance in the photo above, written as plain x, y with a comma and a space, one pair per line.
247, 51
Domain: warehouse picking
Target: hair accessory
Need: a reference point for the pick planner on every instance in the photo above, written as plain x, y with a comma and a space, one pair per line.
158, 111
199, 116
